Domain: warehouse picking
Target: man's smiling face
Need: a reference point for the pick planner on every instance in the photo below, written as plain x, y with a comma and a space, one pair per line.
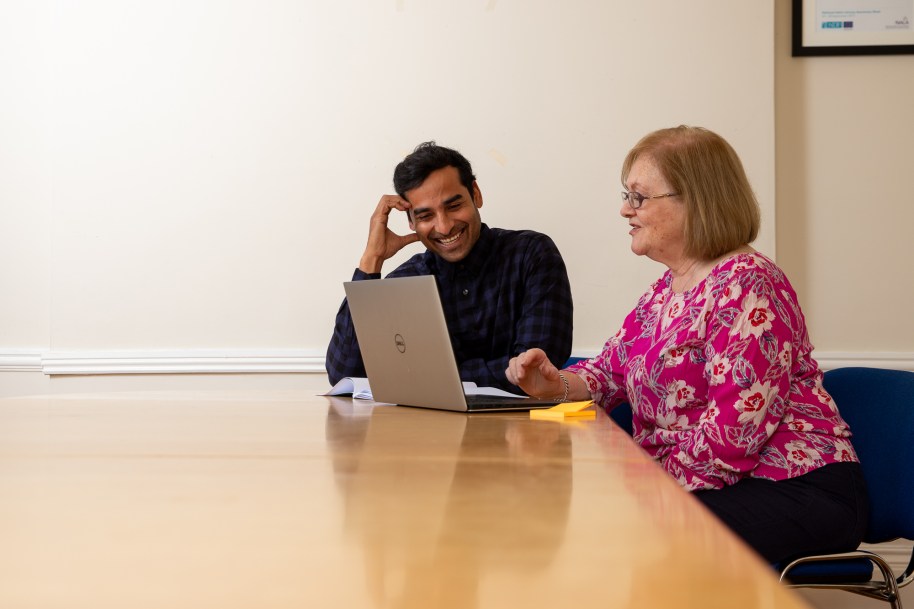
445, 215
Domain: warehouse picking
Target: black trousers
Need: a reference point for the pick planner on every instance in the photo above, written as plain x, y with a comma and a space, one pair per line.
820, 512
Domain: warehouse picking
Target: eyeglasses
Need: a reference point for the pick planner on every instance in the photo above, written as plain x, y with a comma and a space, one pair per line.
636, 199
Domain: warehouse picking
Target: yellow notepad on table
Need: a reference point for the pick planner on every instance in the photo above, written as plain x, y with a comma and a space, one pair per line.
566, 410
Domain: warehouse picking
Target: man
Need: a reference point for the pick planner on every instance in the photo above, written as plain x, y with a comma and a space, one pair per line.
503, 291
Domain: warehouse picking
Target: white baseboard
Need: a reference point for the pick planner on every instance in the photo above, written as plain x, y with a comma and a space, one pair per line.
277, 361
897, 553
20, 360
235, 361
829, 360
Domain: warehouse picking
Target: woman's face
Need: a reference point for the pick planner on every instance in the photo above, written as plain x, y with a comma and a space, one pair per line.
658, 226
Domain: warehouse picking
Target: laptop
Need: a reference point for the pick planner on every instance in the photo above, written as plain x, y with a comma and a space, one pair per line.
407, 349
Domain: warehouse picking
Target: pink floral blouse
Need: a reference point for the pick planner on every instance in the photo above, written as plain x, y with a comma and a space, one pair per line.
721, 379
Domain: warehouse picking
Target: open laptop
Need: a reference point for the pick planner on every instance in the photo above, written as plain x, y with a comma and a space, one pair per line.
407, 349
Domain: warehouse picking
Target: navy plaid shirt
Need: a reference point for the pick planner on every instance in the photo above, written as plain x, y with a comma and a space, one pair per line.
510, 294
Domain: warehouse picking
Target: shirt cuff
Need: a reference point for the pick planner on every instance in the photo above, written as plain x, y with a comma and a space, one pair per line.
360, 275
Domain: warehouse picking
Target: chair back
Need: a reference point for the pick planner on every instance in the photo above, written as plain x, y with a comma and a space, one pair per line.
878, 405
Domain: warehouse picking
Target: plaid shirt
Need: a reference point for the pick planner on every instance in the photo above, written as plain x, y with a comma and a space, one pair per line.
510, 294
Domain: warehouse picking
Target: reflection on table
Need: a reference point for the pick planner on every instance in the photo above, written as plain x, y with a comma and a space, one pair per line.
427, 492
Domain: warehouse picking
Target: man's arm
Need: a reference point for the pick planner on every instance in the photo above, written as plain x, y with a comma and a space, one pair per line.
546, 317
344, 358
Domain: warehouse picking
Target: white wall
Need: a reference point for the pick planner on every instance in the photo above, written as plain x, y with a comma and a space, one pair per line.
845, 202
185, 185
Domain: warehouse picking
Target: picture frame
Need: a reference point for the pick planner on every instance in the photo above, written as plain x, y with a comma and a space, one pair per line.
852, 27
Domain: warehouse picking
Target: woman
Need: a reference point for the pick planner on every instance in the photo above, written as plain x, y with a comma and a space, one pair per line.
715, 359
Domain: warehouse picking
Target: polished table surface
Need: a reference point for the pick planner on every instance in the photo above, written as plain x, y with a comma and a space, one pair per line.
285, 499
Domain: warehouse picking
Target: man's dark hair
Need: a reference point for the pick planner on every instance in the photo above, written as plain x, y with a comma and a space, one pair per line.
426, 158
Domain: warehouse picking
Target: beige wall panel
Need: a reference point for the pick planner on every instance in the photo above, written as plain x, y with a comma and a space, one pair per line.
845, 203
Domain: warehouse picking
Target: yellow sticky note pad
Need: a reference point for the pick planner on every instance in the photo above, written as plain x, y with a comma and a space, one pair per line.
566, 410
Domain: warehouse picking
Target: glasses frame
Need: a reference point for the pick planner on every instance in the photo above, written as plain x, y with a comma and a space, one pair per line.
630, 196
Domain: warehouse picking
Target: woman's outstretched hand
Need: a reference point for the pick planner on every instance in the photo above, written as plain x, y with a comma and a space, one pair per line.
534, 373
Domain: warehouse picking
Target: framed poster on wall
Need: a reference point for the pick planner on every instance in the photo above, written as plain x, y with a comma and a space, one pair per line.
853, 27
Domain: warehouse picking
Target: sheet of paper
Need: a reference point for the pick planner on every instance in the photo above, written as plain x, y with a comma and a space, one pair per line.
355, 386
470, 388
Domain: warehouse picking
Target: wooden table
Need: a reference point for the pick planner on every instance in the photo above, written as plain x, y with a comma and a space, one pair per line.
275, 500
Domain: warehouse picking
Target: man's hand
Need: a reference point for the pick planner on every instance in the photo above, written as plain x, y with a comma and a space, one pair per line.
383, 242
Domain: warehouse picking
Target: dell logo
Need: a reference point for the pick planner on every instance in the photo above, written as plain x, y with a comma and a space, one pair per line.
400, 343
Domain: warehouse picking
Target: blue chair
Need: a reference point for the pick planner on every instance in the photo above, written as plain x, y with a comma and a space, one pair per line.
621, 414
879, 406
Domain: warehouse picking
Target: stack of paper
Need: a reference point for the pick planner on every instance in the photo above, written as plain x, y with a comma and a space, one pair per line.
566, 410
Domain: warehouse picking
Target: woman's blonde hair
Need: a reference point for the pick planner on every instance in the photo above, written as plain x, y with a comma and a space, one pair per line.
722, 213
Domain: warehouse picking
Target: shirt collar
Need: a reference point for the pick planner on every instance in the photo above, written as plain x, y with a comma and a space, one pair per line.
474, 260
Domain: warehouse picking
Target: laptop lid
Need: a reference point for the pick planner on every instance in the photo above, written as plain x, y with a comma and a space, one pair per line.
407, 349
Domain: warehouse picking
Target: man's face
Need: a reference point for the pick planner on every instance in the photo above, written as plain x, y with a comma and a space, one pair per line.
445, 215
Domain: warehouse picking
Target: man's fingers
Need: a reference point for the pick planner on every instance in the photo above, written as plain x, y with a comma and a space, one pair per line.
390, 202
398, 203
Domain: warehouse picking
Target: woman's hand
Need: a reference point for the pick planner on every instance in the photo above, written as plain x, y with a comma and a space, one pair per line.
534, 373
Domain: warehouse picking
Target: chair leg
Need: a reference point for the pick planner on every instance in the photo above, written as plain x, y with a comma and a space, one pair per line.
887, 590
890, 593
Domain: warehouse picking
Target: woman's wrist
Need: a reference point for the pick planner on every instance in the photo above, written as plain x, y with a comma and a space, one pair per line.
562, 394
565, 388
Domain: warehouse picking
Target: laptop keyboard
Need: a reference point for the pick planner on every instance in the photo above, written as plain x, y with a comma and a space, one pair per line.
483, 402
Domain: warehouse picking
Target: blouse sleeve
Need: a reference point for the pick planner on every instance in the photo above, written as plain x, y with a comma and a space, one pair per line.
747, 371
605, 374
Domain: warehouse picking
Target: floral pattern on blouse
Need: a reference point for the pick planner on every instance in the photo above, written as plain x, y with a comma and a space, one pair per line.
721, 380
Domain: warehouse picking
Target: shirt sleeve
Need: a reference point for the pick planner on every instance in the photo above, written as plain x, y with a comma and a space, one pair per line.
748, 358
344, 358
545, 318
